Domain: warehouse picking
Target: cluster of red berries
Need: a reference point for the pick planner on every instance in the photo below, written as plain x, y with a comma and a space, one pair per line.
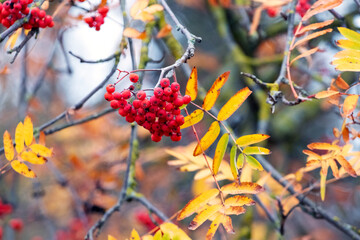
302, 7
159, 114
97, 19
12, 10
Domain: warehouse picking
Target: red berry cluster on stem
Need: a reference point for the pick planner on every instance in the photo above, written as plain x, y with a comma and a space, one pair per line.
302, 7
13, 10
97, 19
159, 113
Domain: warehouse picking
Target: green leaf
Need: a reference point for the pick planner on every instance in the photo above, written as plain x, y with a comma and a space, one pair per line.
240, 160
256, 151
253, 163
234, 169
220, 152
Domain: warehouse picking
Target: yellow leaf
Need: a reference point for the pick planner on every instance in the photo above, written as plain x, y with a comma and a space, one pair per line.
33, 158
256, 151
321, 6
8, 146
233, 167
208, 139
220, 152
235, 210
346, 165
315, 26
133, 33
254, 164
349, 34
19, 137
138, 6
347, 53
111, 238
239, 201
322, 184
197, 203
192, 85
214, 226
350, 103
144, 16
12, 39
134, 235
204, 215
348, 66
323, 146
22, 169
242, 188
325, 94
251, 139
164, 31
240, 160
227, 223
311, 36
174, 231
233, 104
192, 119
41, 150
348, 44
158, 235
305, 54
147, 237
28, 131
214, 91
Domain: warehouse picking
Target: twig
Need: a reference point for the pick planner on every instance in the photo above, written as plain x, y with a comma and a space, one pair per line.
96, 228
115, 55
22, 44
62, 47
268, 214
149, 206
23, 89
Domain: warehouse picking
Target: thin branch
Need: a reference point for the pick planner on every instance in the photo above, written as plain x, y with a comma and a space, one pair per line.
62, 47
82, 60
149, 206
96, 228
22, 44
267, 212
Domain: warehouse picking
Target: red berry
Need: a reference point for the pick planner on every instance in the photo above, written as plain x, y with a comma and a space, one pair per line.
110, 88
127, 108
178, 102
161, 113
131, 88
165, 82
153, 109
272, 12
155, 138
176, 137
122, 112
103, 10
16, 224
134, 77
158, 92
126, 94
114, 104
175, 87
176, 111
117, 95
137, 103
154, 101
122, 103
141, 95
35, 12
150, 117
169, 107
179, 119
108, 96
186, 99
130, 118
167, 91
145, 104
41, 14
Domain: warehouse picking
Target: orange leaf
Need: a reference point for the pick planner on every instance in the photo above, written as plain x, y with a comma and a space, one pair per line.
315, 26
311, 154
33, 158
164, 31
138, 6
144, 16
208, 139
227, 223
346, 165
192, 85
340, 82
220, 152
334, 168
323, 146
133, 33
214, 91
239, 201
28, 131
193, 118
305, 54
214, 226
325, 94
197, 203
251, 139
19, 137
242, 188
311, 36
204, 215
8, 146
350, 103
235, 210
22, 169
233, 104
321, 6
41, 150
